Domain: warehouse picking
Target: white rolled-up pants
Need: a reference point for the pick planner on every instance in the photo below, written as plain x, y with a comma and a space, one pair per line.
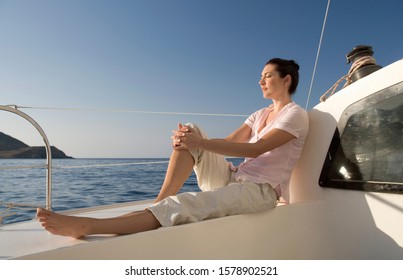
221, 194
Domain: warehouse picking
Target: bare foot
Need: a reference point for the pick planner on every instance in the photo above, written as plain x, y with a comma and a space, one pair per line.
59, 224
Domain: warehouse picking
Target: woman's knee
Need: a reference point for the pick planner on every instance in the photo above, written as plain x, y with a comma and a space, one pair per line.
194, 128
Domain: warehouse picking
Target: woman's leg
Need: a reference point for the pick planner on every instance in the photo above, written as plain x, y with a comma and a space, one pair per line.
211, 169
179, 169
78, 227
235, 198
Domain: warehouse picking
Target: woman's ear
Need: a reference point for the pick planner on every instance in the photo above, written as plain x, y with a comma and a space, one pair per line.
287, 80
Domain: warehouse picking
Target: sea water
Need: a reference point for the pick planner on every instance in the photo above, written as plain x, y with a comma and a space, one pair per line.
80, 183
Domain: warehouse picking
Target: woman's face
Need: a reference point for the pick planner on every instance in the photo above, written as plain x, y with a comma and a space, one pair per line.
272, 85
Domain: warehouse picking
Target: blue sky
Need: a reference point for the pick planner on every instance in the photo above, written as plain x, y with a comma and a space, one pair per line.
172, 56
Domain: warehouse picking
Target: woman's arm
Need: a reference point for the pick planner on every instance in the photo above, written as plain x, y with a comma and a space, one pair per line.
240, 135
271, 140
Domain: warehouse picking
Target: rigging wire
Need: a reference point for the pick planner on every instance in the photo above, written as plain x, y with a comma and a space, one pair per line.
111, 164
317, 55
81, 166
23, 167
129, 111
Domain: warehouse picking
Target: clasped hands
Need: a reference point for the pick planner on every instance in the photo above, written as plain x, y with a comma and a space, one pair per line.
185, 137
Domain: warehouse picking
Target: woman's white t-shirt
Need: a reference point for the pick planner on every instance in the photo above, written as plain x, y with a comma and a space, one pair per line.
275, 167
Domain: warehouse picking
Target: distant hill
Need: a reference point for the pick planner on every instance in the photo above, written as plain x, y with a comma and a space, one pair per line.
13, 148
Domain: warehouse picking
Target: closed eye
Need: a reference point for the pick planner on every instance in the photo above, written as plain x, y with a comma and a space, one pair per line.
265, 75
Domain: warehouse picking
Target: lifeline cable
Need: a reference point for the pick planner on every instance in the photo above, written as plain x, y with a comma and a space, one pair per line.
129, 111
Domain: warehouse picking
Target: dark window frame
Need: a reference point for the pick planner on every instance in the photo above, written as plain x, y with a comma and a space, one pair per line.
358, 184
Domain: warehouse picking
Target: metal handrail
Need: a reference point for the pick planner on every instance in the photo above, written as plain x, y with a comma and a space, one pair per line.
14, 109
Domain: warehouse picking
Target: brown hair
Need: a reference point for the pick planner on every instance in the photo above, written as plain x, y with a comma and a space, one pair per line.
287, 67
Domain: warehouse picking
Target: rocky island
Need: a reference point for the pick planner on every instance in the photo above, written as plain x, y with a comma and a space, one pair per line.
13, 148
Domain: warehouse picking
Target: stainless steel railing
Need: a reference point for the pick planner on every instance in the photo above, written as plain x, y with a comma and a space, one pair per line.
14, 109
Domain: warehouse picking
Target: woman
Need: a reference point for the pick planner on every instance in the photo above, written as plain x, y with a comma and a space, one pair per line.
271, 140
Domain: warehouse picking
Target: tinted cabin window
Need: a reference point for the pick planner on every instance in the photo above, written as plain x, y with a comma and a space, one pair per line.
367, 149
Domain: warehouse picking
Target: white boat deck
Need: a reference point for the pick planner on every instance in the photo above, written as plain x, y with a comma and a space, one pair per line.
30, 241
273, 234
25, 238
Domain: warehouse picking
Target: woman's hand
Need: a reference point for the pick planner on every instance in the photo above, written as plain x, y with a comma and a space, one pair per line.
185, 137
177, 134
